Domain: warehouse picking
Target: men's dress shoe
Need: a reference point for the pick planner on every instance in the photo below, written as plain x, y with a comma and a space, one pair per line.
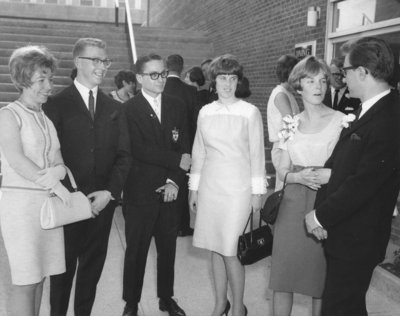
169, 305
130, 310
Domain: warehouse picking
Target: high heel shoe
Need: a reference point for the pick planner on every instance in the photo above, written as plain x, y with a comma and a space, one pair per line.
227, 308
245, 310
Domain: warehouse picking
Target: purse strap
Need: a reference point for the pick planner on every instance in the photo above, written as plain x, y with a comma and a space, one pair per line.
284, 180
250, 220
71, 179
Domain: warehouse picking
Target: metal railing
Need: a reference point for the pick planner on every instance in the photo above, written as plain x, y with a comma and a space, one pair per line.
128, 26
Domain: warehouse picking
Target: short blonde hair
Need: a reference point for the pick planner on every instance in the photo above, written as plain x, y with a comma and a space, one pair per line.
82, 43
24, 61
307, 67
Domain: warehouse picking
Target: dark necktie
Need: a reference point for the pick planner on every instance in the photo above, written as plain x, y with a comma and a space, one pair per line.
335, 99
91, 104
358, 112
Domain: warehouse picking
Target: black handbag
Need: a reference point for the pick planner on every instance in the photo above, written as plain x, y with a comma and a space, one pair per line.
270, 210
256, 244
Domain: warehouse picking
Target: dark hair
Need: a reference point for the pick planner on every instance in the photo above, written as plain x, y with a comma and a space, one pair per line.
24, 61
225, 64
142, 60
373, 54
196, 75
175, 63
124, 75
205, 61
284, 67
82, 43
309, 66
243, 88
338, 62
74, 73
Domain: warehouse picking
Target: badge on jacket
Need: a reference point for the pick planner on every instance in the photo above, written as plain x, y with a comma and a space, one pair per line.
175, 134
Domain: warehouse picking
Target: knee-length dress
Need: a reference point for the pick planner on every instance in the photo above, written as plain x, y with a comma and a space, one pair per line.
33, 252
298, 263
228, 166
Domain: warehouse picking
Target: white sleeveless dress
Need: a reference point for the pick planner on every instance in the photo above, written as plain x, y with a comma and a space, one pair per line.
33, 253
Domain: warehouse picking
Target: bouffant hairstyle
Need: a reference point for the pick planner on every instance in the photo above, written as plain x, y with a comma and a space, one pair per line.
124, 75
175, 63
196, 75
82, 43
307, 67
284, 67
142, 60
373, 54
24, 61
243, 88
225, 65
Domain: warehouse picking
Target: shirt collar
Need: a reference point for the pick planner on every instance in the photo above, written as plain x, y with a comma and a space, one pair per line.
84, 91
370, 102
173, 76
150, 99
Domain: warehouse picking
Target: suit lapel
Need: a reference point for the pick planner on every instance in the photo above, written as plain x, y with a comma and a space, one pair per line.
78, 101
149, 114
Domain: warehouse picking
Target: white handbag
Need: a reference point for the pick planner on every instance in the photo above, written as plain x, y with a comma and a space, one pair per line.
54, 213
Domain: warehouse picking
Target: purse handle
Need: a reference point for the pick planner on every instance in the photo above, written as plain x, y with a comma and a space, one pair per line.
284, 180
71, 179
251, 225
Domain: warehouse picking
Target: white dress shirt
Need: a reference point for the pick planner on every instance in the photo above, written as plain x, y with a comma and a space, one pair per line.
84, 92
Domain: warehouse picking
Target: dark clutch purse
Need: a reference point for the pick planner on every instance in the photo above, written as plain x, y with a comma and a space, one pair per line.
256, 244
270, 210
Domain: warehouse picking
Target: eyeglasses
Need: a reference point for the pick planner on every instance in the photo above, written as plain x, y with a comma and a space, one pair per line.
97, 61
344, 70
156, 75
337, 74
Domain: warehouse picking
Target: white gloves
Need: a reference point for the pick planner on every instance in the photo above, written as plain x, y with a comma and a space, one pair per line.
62, 192
51, 176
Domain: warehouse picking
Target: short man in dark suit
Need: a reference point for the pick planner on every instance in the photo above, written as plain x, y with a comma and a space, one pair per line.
338, 97
354, 209
94, 142
188, 95
160, 148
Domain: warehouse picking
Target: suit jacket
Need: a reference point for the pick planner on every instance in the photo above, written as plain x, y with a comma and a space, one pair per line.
97, 152
157, 147
346, 104
356, 205
188, 95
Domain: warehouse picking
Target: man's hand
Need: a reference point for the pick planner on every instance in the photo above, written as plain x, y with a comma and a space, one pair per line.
186, 160
313, 228
170, 192
323, 175
99, 200
193, 201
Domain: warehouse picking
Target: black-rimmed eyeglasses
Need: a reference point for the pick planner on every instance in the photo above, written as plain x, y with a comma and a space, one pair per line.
97, 61
156, 75
344, 70
337, 74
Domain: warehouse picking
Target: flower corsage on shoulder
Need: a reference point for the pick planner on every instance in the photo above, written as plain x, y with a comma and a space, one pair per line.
289, 126
347, 119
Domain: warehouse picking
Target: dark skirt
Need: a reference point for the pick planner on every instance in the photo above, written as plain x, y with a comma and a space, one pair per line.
298, 260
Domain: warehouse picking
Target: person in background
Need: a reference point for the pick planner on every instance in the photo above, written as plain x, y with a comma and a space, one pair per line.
31, 165
95, 145
353, 212
227, 180
280, 103
298, 262
125, 80
337, 97
205, 67
160, 148
195, 77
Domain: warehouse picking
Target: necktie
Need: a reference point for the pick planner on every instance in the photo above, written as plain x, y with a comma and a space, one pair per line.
91, 104
157, 108
358, 112
335, 99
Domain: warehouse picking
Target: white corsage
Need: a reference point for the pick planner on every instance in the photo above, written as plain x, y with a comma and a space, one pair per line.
289, 126
347, 95
346, 120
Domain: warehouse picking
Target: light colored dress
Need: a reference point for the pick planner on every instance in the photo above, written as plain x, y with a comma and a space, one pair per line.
298, 260
274, 120
33, 253
228, 166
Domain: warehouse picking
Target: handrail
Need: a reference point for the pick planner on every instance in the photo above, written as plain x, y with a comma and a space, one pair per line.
116, 3
130, 30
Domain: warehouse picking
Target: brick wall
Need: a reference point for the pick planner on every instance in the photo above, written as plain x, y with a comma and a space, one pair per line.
258, 32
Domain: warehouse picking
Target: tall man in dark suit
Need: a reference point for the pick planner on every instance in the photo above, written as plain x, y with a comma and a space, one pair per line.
354, 210
188, 95
160, 148
337, 96
95, 145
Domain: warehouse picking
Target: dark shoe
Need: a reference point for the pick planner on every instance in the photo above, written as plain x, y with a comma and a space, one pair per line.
227, 308
245, 310
130, 310
185, 232
171, 306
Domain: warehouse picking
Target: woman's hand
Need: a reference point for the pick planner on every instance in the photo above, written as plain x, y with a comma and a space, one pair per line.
323, 175
193, 201
256, 202
62, 192
309, 178
49, 177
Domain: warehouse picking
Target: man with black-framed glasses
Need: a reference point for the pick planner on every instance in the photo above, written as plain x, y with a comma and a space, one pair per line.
159, 137
94, 141
337, 96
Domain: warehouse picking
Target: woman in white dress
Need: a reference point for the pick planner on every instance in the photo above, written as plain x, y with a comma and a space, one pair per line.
280, 103
298, 261
31, 164
227, 180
